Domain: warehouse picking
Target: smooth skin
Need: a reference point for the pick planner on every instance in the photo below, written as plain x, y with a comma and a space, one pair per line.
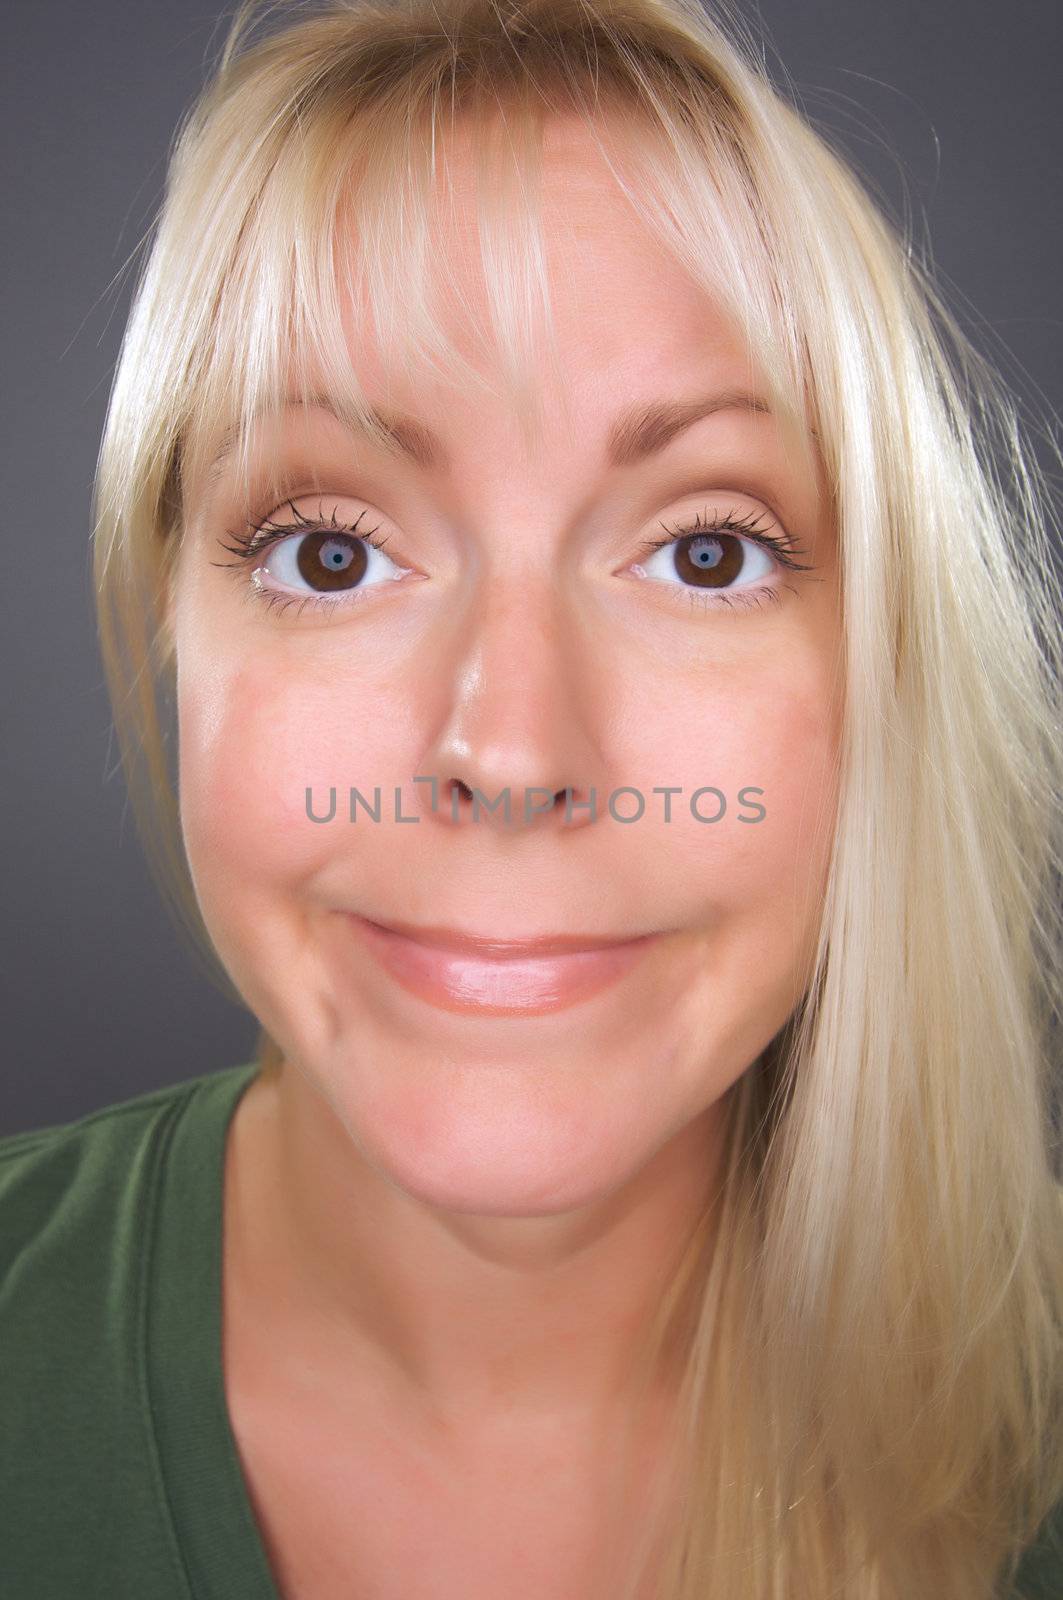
442, 1231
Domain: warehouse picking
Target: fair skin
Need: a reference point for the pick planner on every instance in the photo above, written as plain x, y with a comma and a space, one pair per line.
443, 1231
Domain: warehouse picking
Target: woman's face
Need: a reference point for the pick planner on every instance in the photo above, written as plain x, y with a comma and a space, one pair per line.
514, 635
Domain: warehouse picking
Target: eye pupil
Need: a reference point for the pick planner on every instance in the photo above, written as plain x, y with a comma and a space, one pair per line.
334, 555
704, 556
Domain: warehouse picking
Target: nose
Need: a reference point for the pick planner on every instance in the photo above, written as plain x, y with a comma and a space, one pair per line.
515, 747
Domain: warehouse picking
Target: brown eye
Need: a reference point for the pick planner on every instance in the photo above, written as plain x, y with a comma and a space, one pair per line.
709, 561
712, 561
324, 561
329, 560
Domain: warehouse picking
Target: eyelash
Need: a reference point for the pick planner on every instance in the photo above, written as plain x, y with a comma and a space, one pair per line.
259, 536
782, 547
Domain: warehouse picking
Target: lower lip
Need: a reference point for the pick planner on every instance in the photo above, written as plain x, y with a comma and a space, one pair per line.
499, 986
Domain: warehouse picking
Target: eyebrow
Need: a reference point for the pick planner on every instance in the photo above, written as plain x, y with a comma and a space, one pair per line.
642, 430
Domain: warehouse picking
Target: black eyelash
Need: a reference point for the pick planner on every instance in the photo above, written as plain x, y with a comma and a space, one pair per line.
257, 536
782, 547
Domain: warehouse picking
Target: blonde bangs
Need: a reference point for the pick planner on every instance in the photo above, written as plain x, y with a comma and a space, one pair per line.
350, 196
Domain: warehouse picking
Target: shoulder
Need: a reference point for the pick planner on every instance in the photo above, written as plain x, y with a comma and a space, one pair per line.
1040, 1572
81, 1208
76, 1206
59, 1185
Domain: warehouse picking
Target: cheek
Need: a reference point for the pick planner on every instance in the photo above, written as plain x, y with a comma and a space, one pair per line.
254, 735
769, 728
788, 852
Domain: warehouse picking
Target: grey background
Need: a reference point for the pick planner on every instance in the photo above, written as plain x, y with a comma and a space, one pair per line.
952, 112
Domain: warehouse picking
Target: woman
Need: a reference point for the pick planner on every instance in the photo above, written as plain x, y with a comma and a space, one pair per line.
616, 698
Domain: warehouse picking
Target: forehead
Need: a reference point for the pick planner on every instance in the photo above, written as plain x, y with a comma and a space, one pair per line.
622, 322
621, 308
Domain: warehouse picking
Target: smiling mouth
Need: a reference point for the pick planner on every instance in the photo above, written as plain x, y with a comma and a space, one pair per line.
499, 977
546, 944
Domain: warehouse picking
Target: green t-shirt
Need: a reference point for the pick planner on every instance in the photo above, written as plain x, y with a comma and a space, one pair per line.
119, 1473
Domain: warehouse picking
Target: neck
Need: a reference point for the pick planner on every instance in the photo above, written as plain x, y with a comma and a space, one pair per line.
465, 1318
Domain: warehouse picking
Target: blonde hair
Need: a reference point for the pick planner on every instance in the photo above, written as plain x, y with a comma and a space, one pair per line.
870, 1313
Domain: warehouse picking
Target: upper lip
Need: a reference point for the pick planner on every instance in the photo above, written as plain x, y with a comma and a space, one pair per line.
488, 944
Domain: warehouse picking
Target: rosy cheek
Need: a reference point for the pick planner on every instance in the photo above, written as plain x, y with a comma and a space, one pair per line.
251, 742
798, 761
764, 741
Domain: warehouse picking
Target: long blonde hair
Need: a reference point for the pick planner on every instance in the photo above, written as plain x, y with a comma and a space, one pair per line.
871, 1347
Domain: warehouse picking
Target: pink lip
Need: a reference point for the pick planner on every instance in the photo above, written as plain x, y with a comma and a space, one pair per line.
499, 977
